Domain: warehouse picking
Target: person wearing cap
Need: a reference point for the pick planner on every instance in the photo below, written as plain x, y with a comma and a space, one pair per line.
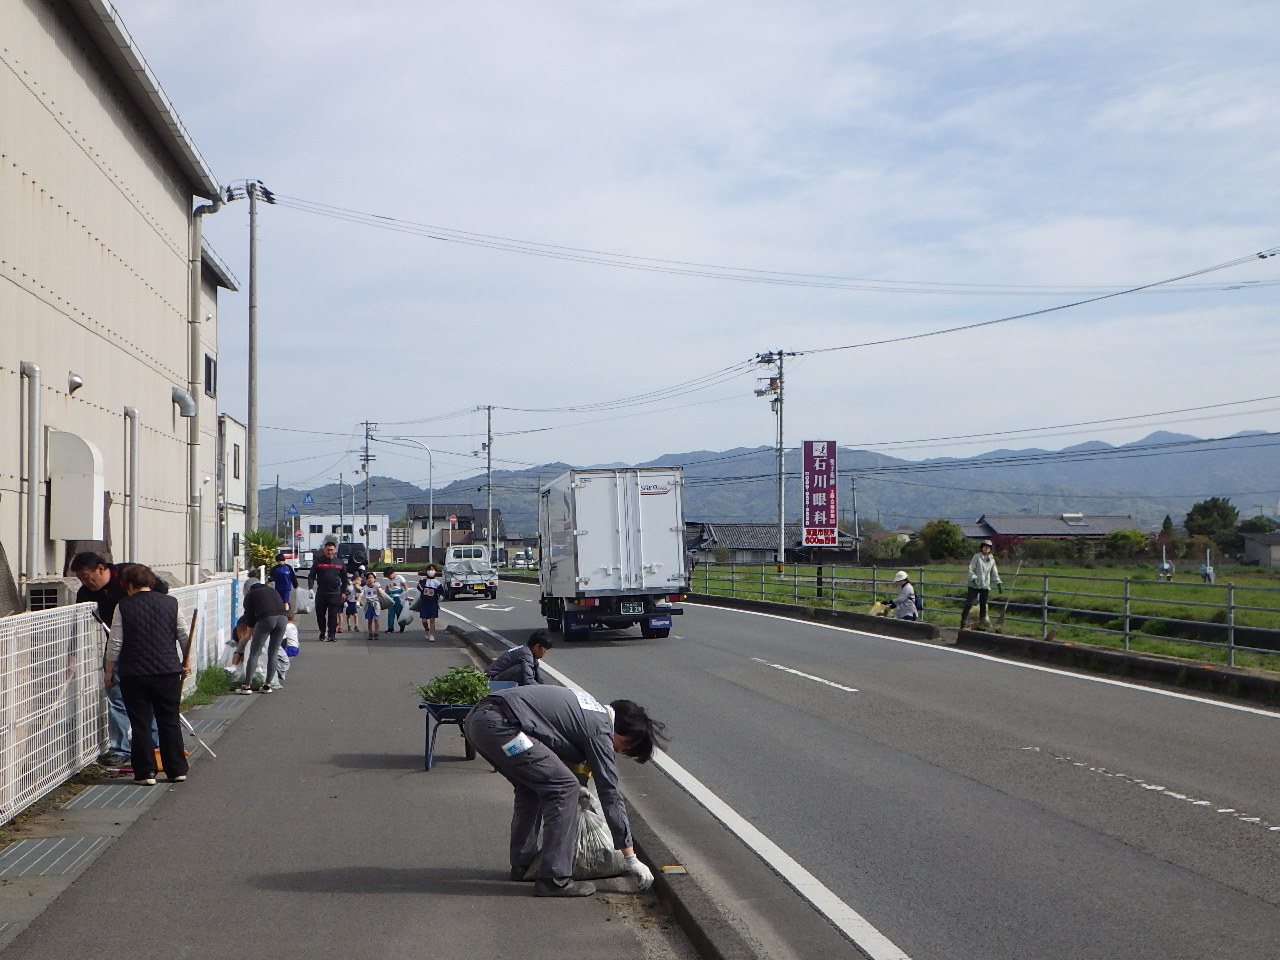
904, 604
982, 574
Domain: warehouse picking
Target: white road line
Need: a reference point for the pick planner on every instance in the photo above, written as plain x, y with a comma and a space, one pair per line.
807, 676
1009, 663
1158, 789
851, 923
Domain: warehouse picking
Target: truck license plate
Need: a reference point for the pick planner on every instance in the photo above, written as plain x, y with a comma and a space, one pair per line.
626, 607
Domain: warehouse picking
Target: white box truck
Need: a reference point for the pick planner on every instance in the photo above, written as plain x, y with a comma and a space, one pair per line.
612, 546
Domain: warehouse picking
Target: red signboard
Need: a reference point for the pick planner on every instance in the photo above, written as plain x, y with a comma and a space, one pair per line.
819, 492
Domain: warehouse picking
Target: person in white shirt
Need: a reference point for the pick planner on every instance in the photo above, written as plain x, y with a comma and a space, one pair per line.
369, 594
904, 604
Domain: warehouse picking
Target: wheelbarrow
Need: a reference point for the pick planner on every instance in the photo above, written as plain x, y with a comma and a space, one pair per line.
439, 714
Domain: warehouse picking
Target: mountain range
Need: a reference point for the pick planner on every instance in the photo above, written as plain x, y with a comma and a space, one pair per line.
1162, 474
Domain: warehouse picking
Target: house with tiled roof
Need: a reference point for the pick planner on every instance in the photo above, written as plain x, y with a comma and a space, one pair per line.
1061, 526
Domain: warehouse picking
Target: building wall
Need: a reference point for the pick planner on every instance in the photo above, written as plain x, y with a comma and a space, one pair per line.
231, 493
376, 539
94, 239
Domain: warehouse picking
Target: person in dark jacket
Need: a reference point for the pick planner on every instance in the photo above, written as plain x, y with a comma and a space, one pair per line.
100, 583
328, 578
284, 578
264, 619
521, 663
532, 735
148, 637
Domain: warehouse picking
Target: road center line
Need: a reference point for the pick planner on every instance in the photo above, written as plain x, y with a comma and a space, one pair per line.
1158, 789
851, 923
807, 676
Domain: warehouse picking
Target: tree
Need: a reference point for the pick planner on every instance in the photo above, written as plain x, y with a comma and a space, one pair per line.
942, 539
260, 548
1214, 517
1166, 528
1125, 544
1258, 525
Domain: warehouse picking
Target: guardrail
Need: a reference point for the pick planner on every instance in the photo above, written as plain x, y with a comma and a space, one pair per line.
1123, 610
52, 705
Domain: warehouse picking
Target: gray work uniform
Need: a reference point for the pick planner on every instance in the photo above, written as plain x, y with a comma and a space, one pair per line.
518, 664
564, 728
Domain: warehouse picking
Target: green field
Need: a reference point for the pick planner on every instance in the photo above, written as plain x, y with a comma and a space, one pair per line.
1084, 604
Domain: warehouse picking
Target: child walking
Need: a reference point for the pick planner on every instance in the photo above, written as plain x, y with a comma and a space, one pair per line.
429, 588
369, 598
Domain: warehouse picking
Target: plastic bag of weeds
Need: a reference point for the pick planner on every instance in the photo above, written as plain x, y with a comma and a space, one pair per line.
594, 857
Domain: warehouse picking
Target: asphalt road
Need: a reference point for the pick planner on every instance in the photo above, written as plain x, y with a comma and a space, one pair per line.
969, 808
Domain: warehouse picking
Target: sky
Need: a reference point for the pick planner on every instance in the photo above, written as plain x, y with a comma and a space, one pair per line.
709, 181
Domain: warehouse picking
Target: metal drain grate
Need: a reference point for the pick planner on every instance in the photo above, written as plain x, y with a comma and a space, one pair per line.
47, 858
108, 797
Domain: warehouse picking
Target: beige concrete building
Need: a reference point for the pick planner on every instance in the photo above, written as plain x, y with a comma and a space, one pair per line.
108, 306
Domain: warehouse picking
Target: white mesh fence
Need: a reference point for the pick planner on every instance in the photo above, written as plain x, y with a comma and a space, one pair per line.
52, 705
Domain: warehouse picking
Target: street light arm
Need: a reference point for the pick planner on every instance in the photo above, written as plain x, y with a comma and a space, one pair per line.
431, 491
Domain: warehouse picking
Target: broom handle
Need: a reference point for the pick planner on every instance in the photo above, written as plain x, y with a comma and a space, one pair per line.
191, 636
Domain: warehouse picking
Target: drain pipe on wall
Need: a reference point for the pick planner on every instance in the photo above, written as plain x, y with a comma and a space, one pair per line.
195, 377
34, 561
131, 484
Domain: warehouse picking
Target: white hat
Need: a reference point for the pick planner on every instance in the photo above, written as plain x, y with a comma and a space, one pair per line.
900, 576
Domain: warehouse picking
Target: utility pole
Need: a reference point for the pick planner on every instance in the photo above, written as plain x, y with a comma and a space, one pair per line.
857, 540
367, 458
255, 191
774, 390
275, 515
341, 516
488, 449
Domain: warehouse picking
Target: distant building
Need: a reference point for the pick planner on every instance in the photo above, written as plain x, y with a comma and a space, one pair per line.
1262, 549
452, 523
1060, 526
347, 529
758, 543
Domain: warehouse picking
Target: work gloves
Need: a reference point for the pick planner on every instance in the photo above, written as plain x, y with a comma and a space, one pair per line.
644, 876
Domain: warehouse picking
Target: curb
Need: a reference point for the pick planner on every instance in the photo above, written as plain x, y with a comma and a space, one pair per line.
1212, 678
886, 626
1234, 682
708, 927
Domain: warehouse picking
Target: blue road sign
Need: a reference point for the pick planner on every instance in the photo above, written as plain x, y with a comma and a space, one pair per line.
292, 511
308, 500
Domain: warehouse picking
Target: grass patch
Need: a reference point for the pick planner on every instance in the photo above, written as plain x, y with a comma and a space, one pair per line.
211, 683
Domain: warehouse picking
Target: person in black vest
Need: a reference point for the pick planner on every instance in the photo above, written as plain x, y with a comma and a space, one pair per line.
148, 637
100, 584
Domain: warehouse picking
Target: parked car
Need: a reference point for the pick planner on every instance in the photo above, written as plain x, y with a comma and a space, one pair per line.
353, 556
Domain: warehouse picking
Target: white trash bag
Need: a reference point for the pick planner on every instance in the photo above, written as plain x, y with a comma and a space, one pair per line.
594, 857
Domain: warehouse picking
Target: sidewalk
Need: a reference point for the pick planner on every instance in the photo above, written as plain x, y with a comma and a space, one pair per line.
314, 833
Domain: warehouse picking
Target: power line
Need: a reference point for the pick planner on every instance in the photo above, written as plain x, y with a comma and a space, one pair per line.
696, 269
1261, 255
